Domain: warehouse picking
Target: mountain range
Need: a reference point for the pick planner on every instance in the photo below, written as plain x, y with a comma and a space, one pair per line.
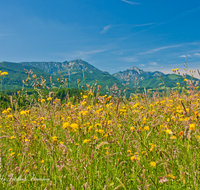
87, 74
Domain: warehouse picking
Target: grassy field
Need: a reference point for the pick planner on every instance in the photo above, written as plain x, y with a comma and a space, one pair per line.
103, 142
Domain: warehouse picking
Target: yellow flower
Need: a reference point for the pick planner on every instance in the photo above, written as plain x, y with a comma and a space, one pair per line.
13, 137
43, 100
49, 99
85, 96
99, 131
135, 158
83, 103
42, 161
26, 171
168, 131
132, 128
192, 127
8, 109
54, 139
4, 112
86, 141
65, 125
171, 176
181, 133
173, 137
146, 128
23, 113
4, 73
128, 151
10, 116
74, 126
153, 164
12, 153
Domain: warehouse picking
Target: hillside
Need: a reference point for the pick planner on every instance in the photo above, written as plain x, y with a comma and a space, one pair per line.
78, 69
16, 74
150, 79
87, 74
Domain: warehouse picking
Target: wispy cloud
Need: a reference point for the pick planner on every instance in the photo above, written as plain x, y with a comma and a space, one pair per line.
131, 2
188, 55
83, 53
105, 29
130, 59
108, 27
197, 54
142, 65
161, 48
153, 63
183, 56
143, 24
80, 54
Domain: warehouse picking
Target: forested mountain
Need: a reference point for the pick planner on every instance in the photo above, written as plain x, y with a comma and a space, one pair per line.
79, 73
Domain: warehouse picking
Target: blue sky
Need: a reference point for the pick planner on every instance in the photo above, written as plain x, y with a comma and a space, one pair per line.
112, 35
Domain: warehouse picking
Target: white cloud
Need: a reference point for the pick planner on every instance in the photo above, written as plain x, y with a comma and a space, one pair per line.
152, 63
182, 56
188, 55
105, 29
161, 48
131, 2
142, 65
197, 54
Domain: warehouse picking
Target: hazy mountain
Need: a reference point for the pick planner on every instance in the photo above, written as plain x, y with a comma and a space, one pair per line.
135, 73
150, 79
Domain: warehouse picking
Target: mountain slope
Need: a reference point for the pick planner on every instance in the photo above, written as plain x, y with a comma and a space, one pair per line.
87, 74
150, 79
135, 73
16, 74
78, 69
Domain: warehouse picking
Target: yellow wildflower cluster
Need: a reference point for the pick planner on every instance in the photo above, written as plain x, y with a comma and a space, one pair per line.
3, 73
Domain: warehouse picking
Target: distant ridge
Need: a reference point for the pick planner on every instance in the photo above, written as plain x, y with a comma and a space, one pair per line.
88, 74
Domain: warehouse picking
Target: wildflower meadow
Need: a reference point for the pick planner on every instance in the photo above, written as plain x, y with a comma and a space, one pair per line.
147, 141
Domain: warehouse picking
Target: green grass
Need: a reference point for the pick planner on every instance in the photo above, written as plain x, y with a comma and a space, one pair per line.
75, 139
106, 145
